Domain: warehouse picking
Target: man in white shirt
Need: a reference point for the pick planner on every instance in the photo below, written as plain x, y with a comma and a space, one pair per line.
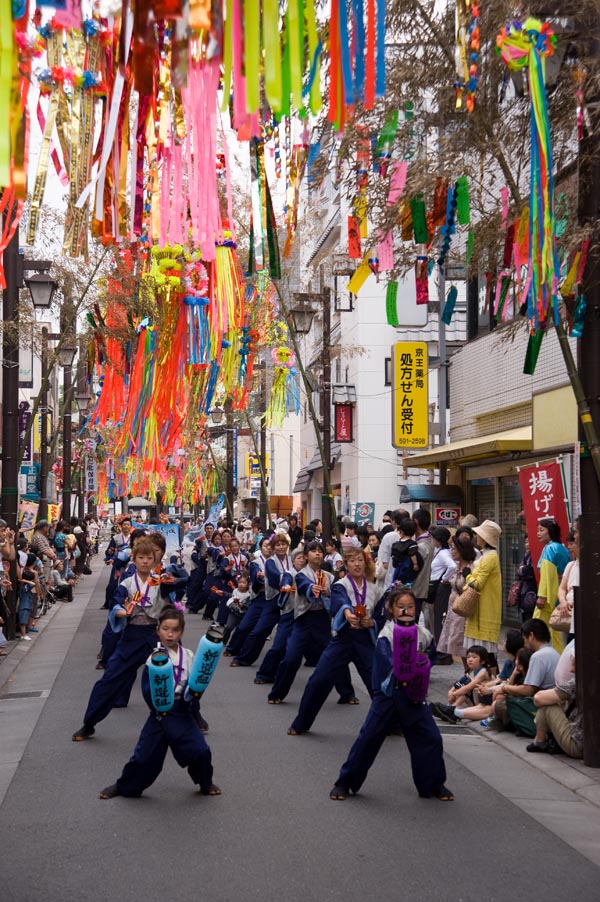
384, 555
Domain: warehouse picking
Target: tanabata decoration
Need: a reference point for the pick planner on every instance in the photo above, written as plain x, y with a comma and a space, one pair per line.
284, 388
525, 45
467, 56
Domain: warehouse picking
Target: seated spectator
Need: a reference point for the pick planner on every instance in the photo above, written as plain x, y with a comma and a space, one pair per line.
333, 556
59, 585
515, 706
565, 726
484, 707
466, 691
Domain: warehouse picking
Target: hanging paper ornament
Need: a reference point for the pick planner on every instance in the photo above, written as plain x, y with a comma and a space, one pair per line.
463, 210
526, 45
419, 220
533, 352
449, 227
579, 317
450, 305
391, 309
467, 55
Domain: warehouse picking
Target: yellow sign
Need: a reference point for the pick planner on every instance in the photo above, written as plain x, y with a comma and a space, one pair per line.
253, 465
410, 398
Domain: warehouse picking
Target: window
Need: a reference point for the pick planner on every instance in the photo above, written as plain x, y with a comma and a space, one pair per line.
388, 371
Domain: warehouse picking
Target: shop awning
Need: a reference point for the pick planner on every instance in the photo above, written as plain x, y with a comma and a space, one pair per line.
303, 479
317, 464
474, 448
432, 494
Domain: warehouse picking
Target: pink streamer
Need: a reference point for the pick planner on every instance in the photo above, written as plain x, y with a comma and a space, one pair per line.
397, 181
385, 252
504, 196
164, 196
176, 223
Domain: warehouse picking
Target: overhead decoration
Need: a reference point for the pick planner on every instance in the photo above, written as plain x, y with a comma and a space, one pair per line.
525, 45
467, 53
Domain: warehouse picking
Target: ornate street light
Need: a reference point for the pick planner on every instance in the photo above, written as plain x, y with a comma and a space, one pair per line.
41, 288
217, 414
66, 354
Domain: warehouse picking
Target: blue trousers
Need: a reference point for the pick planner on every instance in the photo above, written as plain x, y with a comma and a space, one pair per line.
109, 642
311, 631
194, 588
422, 738
273, 658
113, 582
121, 670
247, 624
176, 731
255, 641
349, 646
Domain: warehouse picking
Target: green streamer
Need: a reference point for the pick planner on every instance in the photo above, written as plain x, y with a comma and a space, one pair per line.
390, 304
450, 305
533, 352
463, 209
419, 219
470, 246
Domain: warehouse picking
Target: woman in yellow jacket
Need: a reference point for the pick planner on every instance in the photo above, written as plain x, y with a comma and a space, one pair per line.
483, 626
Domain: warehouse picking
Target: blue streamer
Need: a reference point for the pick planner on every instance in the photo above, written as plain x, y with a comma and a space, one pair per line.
380, 71
359, 48
450, 305
349, 97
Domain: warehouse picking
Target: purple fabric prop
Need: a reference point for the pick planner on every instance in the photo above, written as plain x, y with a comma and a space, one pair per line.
406, 642
418, 686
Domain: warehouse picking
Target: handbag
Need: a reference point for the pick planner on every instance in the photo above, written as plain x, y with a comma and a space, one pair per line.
560, 620
514, 594
466, 603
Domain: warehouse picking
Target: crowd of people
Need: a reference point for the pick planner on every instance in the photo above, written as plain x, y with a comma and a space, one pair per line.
394, 602
329, 603
48, 560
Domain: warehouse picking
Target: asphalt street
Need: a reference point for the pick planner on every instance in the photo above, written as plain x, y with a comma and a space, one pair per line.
273, 834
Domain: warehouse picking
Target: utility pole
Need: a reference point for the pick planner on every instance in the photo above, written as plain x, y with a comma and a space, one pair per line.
43, 504
264, 504
67, 476
230, 451
587, 605
327, 507
10, 412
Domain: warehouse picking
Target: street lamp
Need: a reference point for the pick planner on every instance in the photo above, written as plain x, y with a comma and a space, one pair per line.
216, 415
82, 399
41, 288
66, 354
302, 316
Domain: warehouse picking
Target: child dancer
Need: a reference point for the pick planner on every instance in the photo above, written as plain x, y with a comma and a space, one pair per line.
257, 599
176, 730
136, 610
391, 700
236, 606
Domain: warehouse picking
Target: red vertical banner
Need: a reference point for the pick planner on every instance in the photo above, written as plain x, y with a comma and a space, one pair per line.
343, 423
544, 495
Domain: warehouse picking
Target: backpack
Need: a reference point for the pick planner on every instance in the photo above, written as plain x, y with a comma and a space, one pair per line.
403, 565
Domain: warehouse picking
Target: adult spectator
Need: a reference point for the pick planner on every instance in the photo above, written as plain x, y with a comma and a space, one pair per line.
483, 626
40, 543
443, 567
422, 521
386, 525
316, 526
384, 555
362, 534
294, 531
515, 703
350, 539
7, 542
569, 582
566, 726
551, 565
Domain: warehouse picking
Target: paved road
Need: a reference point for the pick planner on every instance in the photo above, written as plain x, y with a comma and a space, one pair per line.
273, 834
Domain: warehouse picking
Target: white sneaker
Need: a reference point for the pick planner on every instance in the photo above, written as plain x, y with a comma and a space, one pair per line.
25, 638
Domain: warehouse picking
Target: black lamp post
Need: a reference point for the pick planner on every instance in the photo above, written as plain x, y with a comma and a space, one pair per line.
301, 318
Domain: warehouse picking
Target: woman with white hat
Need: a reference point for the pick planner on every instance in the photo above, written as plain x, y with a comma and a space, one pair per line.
483, 626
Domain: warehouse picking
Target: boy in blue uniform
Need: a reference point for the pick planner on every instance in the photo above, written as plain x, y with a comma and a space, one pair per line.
138, 603
177, 730
391, 700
